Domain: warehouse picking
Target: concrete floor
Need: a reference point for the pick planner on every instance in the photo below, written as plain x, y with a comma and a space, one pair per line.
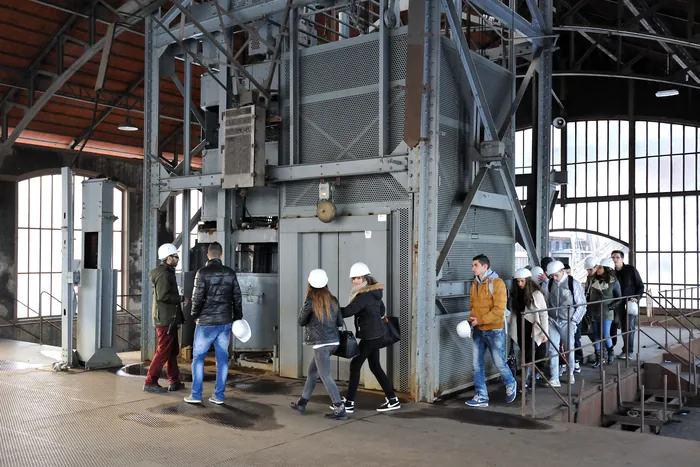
99, 418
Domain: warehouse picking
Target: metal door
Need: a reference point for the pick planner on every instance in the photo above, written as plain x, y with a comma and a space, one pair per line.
333, 247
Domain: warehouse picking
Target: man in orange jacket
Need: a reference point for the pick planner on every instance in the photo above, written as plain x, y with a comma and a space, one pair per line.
487, 301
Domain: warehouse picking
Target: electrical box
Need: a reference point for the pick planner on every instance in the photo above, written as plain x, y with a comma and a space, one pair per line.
243, 152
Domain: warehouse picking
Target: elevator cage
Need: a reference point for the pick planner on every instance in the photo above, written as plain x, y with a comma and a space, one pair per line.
338, 107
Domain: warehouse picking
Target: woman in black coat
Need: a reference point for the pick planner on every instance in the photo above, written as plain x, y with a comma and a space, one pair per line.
320, 316
368, 309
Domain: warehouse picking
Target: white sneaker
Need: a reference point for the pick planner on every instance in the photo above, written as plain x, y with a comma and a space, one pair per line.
554, 384
577, 368
191, 400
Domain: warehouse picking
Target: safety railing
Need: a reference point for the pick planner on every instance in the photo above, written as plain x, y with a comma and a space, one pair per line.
690, 295
40, 316
531, 367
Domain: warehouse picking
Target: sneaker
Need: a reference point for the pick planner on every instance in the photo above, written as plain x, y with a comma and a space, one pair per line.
478, 401
390, 404
577, 368
554, 383
623, 356
349, 405
176, 386
154, 388
572, 380
216, 400
191, 400
511, 392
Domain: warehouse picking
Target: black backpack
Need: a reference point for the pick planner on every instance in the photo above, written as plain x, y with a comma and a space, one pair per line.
571, 287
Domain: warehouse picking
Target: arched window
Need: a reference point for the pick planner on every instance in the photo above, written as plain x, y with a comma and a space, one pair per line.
39, 242
657, 177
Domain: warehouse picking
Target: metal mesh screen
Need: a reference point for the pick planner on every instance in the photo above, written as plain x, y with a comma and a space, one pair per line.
339, 68
352, 190
403, 382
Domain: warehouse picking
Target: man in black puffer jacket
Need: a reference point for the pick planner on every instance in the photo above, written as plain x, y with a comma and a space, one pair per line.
216, 304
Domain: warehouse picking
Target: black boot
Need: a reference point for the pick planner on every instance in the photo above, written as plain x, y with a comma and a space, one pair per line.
338, 412
611, 355
596, 364
299, 405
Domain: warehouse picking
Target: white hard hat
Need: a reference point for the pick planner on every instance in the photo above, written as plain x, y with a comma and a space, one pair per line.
607, 262
165, 250
554, 266
359, 270
522, 273
590, 263
464, 329
318, 279
536, 271
241, 329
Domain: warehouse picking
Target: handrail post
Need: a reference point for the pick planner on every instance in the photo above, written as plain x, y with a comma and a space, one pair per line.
523, 364
569, 361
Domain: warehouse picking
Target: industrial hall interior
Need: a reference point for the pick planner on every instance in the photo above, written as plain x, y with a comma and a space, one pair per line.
349, 232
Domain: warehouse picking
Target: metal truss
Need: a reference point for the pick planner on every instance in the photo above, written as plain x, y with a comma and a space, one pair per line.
61, 80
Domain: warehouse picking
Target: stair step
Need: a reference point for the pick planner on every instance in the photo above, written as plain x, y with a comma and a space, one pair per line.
672, 392
651, 406
636, 421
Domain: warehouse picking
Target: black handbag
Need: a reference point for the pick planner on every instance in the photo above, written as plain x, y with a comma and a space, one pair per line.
347, 347
392, 331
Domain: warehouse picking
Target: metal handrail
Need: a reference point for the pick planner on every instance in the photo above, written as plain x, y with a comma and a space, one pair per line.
679, 311
129, 313
533, 363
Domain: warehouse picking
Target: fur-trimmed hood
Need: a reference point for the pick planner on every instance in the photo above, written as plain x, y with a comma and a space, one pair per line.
377, 291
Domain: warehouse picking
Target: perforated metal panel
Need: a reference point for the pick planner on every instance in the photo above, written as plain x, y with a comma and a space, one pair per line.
402, 380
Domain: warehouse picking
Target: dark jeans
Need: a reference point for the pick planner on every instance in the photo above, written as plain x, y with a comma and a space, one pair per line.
578, 354
527, 345
369, 350
613, 332
627, 323
166, 354
321, 366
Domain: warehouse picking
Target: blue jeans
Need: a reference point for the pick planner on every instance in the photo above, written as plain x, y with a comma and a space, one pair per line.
204, 337
561, 333
606, 333
495, 341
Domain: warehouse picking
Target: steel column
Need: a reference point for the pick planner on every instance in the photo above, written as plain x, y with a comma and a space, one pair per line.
67, 290
294, 86
384, 58
544, 136
426, 332
186, 147
509, 17
151, 175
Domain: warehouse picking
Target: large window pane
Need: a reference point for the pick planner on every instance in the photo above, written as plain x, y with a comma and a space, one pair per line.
570, 216
592, 217
556, 147
641, 176
603, 141
604, 220
664, 138
45, 250
653, 267
35, 202
678, 272
591, 142
664, 174
614, 139
691, 270
118, 205
580, 142
614, 177
591, 179
640, 140
22, 295
690, 140
46, 201
604, 179
691, 223
641, 230
664, 224
690, 172
558, 217
23, 203
22, 248
677, 176
678, 219
624, 221
624, 139
653, 175
677, 139
652, 139
665, 268
653, 224
34, 256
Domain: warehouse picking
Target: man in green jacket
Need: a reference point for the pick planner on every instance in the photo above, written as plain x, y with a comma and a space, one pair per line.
167, 316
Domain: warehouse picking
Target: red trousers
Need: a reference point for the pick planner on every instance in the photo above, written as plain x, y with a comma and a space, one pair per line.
166, 354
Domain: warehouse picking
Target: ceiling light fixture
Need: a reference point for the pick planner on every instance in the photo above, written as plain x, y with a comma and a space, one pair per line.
667, 93
127, 125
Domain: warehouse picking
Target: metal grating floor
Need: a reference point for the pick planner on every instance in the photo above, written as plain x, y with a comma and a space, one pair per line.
97, 418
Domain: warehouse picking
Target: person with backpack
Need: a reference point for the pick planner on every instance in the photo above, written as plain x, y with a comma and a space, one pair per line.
366, 306
525, 297
487, 304
320, 317
604, 287
568, 299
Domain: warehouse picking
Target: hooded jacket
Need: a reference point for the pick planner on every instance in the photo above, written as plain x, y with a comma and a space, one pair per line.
167, 308
539, 320
489, 309
368, 309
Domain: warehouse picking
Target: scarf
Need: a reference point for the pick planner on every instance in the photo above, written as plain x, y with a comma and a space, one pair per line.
600, 285
356, 290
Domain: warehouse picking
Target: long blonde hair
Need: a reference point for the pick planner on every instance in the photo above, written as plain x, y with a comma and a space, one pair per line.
321, 301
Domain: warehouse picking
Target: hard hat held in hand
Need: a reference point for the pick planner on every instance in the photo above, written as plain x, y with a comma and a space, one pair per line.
241, 329
522, 273
359, 270
536, 271
464, 329
318, 279
165, 250
554, 267
590, 263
